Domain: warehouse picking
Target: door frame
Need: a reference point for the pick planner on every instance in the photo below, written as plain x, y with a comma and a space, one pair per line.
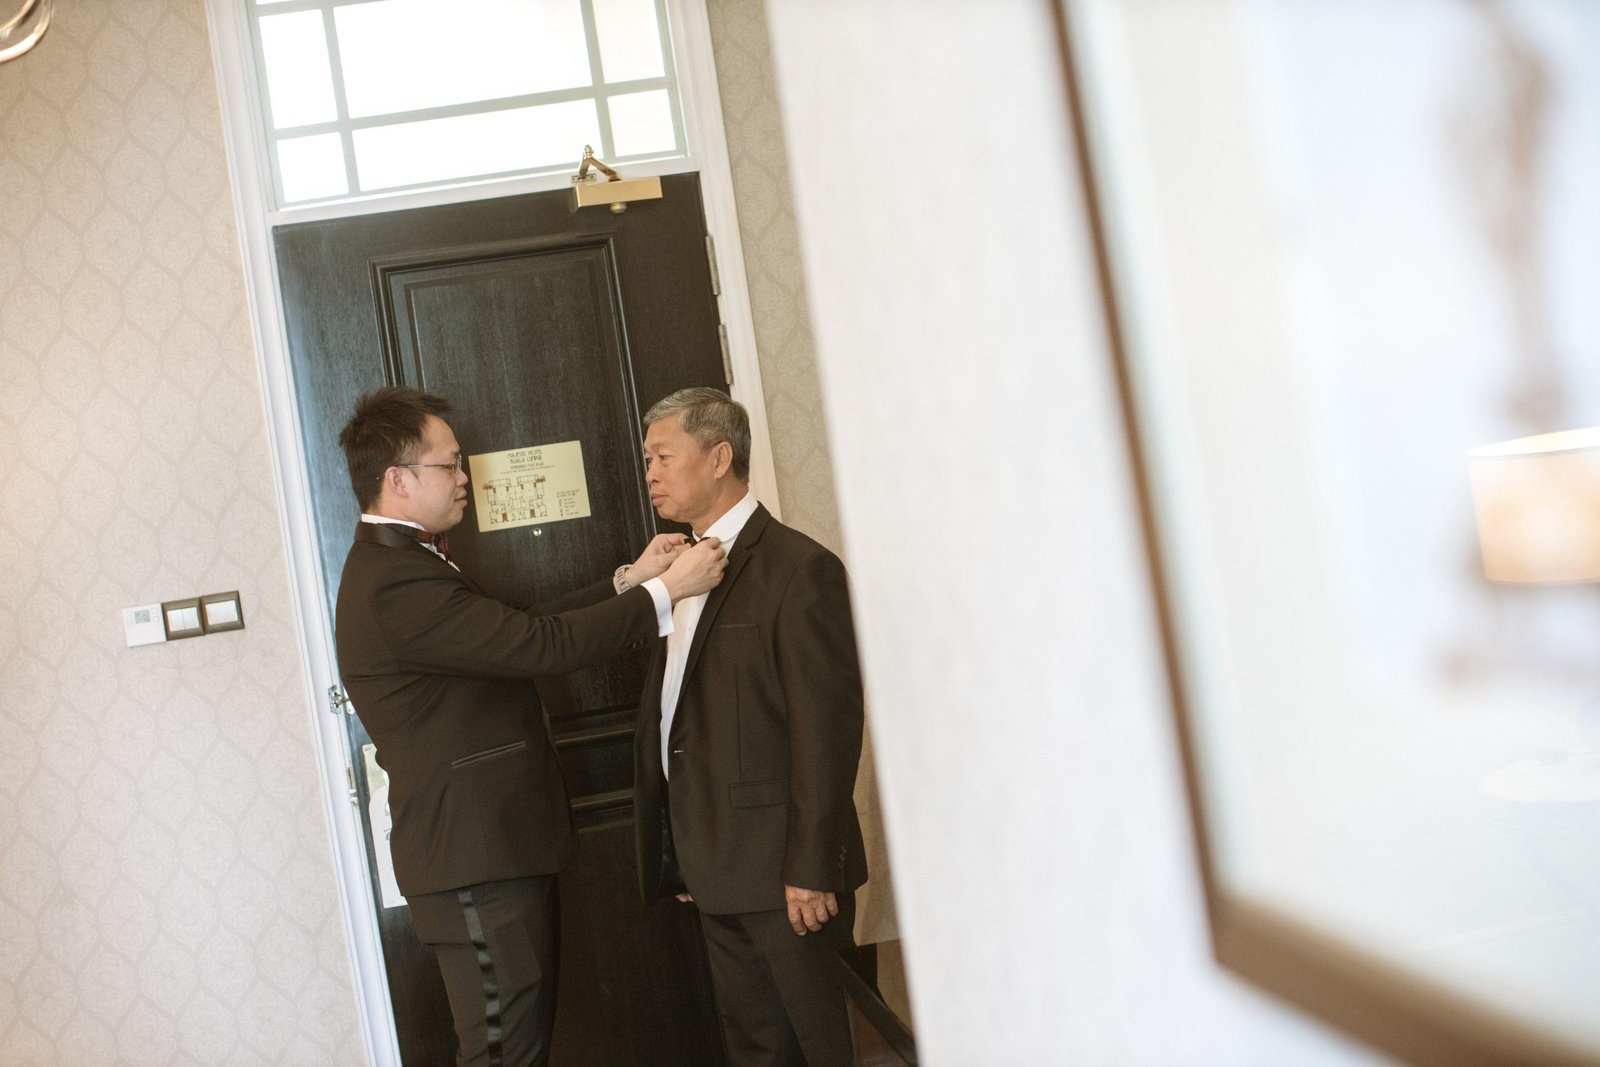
255, 217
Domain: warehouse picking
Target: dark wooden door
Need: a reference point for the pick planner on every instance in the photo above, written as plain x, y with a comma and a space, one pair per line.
543, 326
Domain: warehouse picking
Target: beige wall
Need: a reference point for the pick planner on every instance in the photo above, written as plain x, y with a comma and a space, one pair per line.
166, 892
786, 351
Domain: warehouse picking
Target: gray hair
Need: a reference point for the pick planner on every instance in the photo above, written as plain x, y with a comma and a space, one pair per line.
710, 416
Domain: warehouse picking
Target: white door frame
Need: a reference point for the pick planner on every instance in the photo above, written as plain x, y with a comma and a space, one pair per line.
255, 216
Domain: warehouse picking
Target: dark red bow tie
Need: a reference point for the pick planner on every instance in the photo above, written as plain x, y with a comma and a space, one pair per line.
438, 541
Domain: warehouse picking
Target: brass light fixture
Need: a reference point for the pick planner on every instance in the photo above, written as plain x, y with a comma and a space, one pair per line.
20, 32
615, 192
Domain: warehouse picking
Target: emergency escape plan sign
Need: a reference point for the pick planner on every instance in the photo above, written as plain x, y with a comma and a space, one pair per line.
529, 486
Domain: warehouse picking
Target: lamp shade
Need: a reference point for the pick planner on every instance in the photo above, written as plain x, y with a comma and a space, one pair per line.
1538, 505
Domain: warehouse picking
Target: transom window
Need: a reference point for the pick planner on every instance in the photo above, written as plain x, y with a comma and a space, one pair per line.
368, 96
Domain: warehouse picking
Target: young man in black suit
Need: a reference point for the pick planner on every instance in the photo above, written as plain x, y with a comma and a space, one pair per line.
441, 676
746, 752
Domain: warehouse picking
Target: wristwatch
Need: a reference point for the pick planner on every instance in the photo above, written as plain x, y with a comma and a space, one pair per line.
619, 578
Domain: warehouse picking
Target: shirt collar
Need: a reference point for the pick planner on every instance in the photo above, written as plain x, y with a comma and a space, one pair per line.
726, 528
384, 520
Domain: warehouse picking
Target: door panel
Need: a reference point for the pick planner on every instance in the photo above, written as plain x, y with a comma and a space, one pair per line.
542, 325
526, 337
661, 1013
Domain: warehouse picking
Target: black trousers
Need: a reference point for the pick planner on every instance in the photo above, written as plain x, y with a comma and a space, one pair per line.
496, 943
779, 994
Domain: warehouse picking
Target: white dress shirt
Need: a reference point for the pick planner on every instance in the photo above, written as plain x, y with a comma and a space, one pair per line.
686, 616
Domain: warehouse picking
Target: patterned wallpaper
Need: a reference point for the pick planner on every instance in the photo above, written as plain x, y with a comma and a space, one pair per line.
166, 890
772, 265
786, 351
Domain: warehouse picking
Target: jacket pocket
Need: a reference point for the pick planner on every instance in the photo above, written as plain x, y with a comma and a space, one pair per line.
759, 794
488, 753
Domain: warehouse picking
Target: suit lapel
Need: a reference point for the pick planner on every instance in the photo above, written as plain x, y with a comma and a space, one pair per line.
394, 535
388, 534
742, 547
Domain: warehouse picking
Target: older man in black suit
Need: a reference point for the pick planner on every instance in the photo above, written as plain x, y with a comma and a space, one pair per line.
748, 741
440, 674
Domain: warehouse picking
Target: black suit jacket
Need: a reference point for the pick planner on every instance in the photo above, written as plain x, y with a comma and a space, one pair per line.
440, 675
766, 737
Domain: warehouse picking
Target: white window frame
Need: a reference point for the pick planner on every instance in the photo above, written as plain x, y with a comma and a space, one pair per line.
345, 126
256, 215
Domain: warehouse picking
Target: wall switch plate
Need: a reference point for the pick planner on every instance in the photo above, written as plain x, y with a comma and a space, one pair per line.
143, 625
222, 611
182, 618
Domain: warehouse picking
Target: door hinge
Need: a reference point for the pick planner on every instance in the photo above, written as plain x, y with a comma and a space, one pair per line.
711, 258
727, 360
338, 701
350, 777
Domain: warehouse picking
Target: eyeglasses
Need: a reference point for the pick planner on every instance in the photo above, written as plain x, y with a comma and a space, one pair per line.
453, 466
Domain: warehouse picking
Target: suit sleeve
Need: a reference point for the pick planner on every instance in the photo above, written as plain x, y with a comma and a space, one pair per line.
581, 598
821, 678
438, 625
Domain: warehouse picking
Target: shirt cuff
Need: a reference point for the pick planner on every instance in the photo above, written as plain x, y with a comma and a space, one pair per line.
658, 593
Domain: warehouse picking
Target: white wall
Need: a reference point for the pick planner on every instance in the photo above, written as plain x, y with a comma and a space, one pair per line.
1048, 899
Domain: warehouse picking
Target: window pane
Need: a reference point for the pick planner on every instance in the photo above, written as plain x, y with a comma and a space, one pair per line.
404, 55
295, 52
312, 168
524, 138
641, 124
630, 41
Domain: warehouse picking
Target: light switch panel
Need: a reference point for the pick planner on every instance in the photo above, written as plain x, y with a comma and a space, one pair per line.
222, 611
143, 625
182, 618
